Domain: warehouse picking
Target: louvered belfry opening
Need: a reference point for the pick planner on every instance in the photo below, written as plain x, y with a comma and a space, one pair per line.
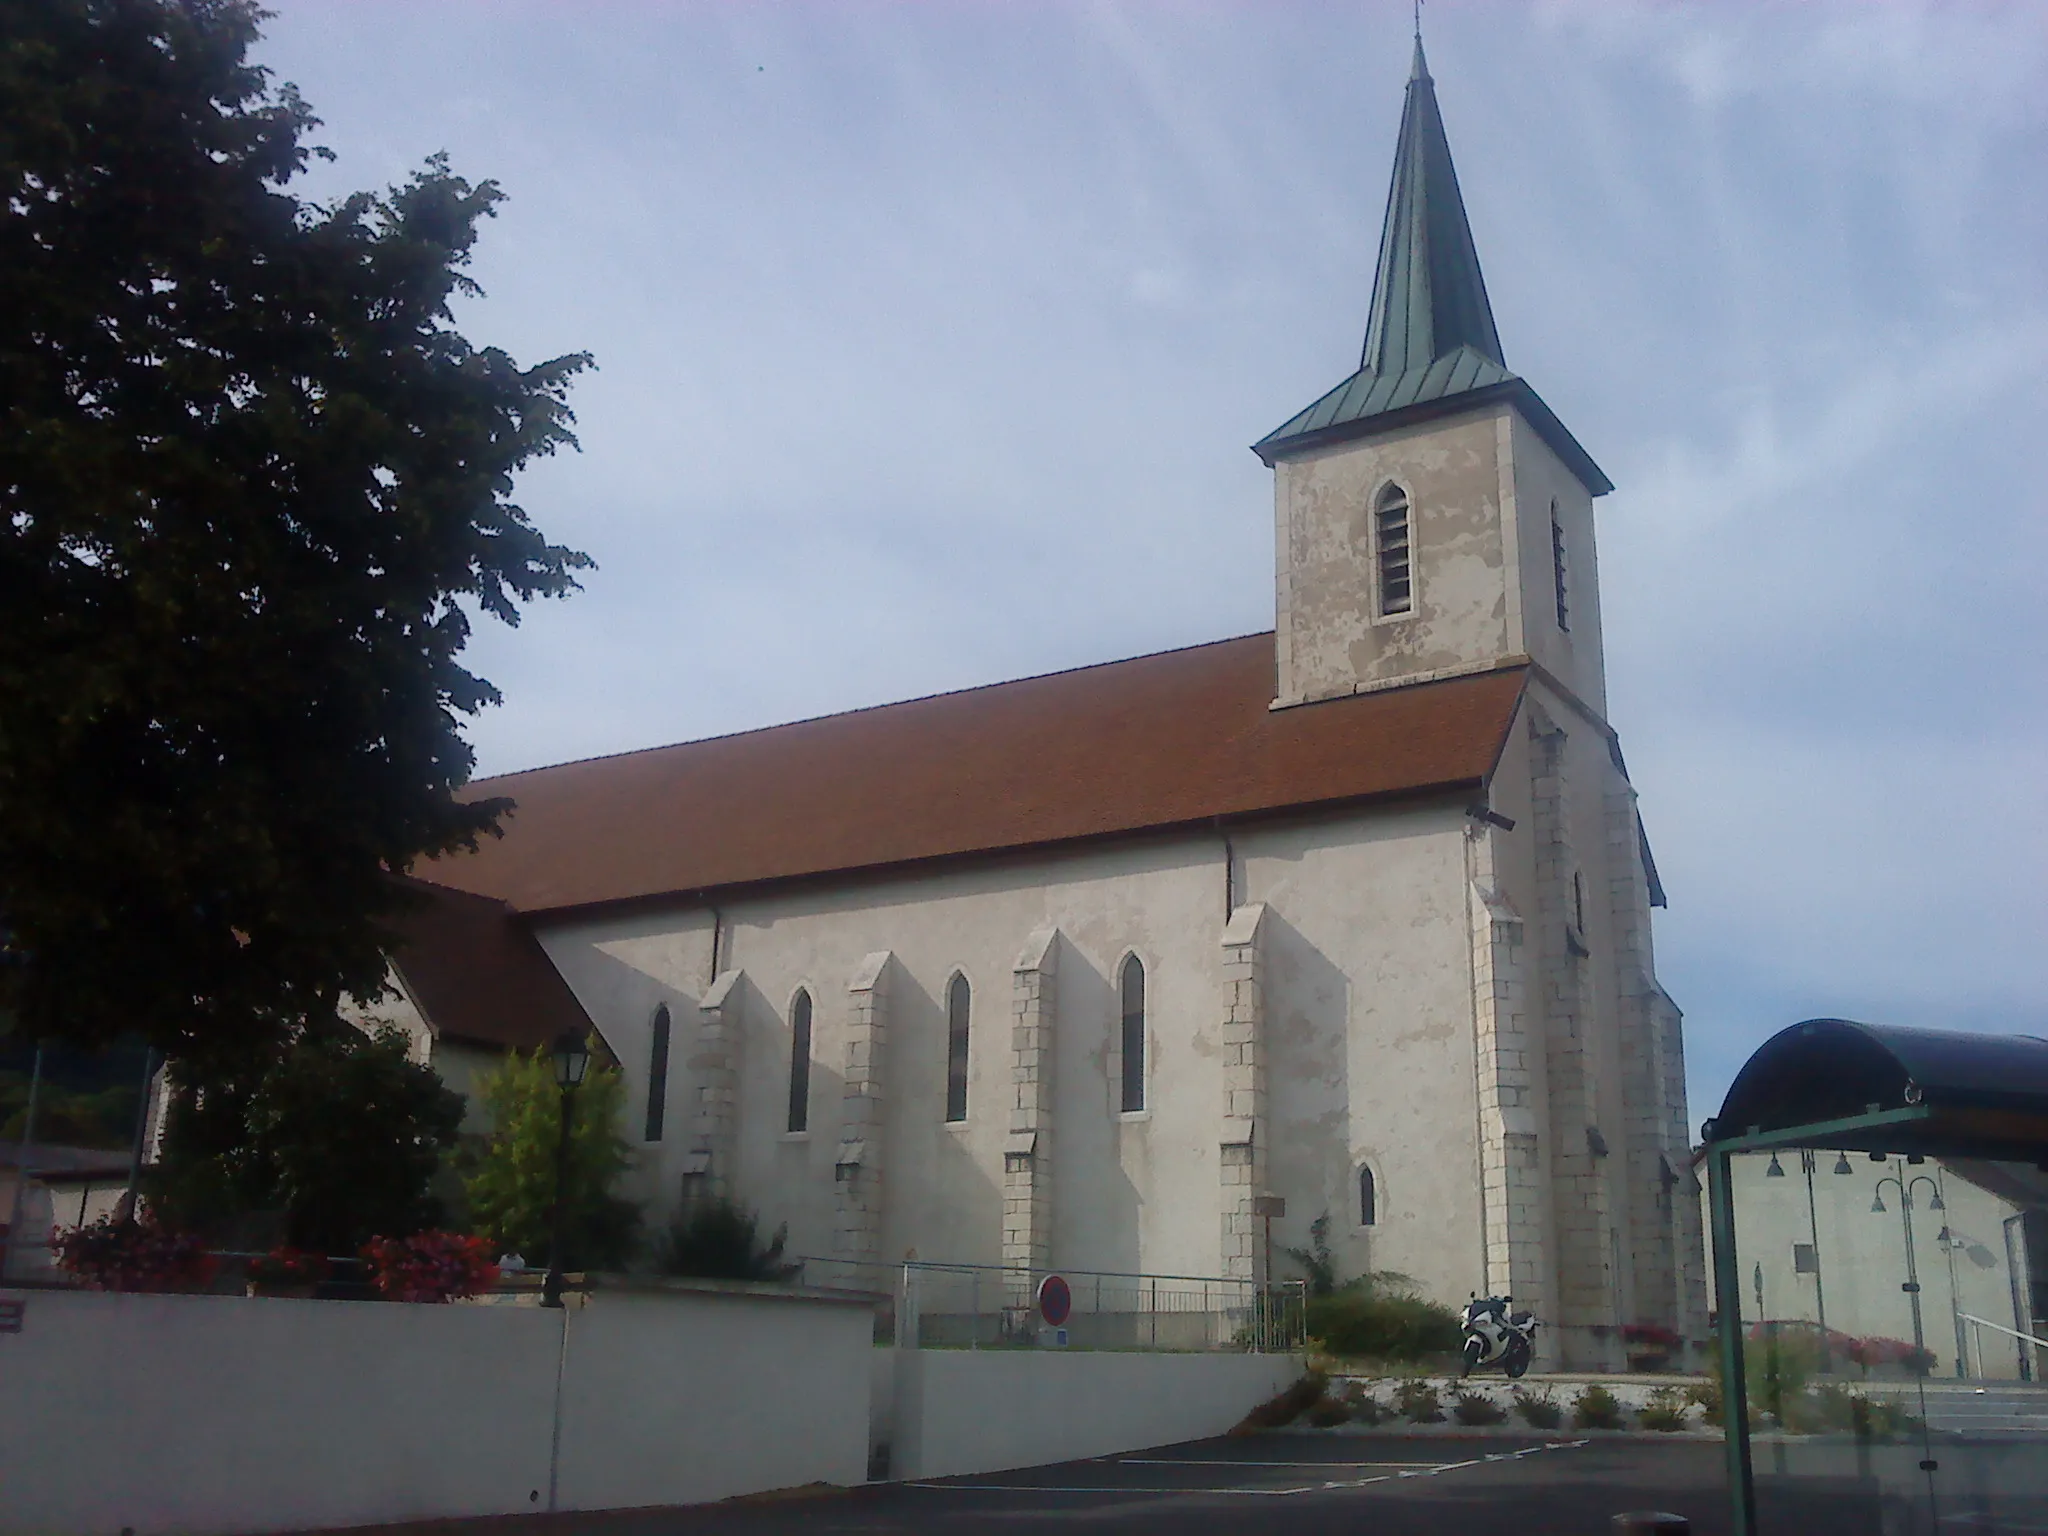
1390, 540
1557, 569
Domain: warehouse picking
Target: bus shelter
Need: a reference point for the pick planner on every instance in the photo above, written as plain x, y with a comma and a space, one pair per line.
1879, 1198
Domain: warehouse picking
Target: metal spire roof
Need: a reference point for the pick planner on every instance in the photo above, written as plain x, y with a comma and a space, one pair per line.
1428, 298
1430, 344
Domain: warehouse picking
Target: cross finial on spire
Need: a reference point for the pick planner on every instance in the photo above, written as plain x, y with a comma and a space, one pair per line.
1419, 70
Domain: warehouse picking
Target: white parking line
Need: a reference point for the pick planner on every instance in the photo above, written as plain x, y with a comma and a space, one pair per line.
1264, 1493
1410, 1469
1191, 1461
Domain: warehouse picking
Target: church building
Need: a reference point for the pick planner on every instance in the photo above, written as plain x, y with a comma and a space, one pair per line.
1068, 972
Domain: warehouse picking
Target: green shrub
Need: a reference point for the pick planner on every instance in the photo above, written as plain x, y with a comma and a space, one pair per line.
1596, 1408
1842, 1409
1665, 1410
1382, 1318
1417, 1402
1329, 1412
1777, 1368
1470, 1407
718, 1239
1539, 1410
1365, 1408
1289, 1405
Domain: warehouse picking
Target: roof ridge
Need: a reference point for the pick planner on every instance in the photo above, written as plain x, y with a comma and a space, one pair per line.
865, 709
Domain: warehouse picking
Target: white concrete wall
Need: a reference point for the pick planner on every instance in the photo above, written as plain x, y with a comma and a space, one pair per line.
962, 1411
227, 1415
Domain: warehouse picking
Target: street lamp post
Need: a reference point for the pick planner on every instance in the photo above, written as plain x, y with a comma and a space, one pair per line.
1935, 1203
572, 1060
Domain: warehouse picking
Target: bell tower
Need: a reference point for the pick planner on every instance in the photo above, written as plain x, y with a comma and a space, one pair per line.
1432, 516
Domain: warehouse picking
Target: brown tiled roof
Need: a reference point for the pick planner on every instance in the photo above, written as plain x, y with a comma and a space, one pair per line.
1175, 739
478, 973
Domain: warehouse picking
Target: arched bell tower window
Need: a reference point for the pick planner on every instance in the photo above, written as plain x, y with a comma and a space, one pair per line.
1393, 576
800, 1061
958, 1000
1133, 1039
1368, 1198
657, 1073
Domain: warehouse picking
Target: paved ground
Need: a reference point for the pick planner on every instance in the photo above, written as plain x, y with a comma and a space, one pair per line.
1312, 1486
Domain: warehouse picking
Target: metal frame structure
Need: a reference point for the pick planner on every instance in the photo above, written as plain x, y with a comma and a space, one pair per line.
1838, 1085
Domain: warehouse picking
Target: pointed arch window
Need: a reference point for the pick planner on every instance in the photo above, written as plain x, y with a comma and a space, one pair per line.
657, 1074
1368, 1198
959, 999
1133, 1038
800, 1061
1557, 569
1393, 575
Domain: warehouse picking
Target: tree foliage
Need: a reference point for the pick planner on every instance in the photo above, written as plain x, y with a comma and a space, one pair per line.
510, 1180
341, 1131
252, 482
719, 1239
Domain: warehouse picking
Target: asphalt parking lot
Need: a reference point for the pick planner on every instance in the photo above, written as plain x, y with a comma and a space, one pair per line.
1298, 1485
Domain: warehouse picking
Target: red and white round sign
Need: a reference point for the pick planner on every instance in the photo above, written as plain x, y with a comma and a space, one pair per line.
1055, 1300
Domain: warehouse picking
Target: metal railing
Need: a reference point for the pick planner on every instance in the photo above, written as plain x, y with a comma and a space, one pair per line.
1977, 1327
920, 1304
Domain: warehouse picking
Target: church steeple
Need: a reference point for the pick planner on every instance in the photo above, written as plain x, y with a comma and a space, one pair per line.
1428, 298
1430, 344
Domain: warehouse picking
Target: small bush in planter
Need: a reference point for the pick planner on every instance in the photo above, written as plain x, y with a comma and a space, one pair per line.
1665, 1410
430, 1266
113, 1255
286, 1269
1329, 1412
1417, 1402
1539, 1410
1596, 1408
1365, 1408
1288, 1405
1470, 1407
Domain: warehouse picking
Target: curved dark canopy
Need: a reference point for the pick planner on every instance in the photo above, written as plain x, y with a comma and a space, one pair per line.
1944, 1094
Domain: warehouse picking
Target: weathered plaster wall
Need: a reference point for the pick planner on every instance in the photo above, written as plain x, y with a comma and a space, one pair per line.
1575, 657
1330, 640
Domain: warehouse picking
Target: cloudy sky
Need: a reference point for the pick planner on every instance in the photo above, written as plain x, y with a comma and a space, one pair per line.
932, 334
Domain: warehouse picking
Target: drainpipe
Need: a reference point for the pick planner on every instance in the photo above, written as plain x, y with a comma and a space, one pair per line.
1229, 870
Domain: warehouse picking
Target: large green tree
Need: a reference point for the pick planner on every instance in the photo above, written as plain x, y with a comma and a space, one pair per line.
253, 482
341, 1134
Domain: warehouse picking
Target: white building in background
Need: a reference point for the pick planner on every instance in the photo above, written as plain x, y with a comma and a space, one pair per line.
1824, 1240
1065, 972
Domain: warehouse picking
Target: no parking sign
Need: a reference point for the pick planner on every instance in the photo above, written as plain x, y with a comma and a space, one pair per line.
1055, 1300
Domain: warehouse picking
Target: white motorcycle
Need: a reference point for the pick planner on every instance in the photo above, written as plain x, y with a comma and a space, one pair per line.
1496, 1335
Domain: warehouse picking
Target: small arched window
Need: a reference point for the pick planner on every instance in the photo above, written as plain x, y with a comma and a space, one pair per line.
657, 1073
958, 1000
1368, 1198
1390, 551
1133, 1038
800, 1062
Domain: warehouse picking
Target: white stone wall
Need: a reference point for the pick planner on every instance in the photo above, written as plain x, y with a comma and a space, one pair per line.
1364, 987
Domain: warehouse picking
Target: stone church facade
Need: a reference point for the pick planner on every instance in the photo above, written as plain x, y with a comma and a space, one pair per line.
1065, 972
